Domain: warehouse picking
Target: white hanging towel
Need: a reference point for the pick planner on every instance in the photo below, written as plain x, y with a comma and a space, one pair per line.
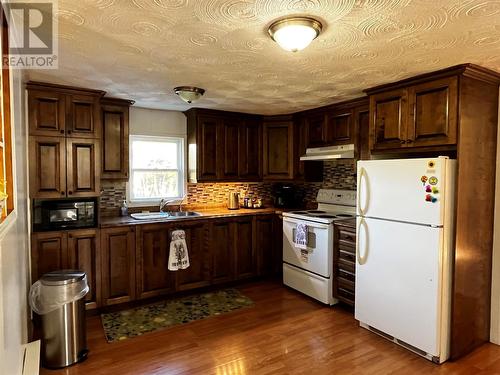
301, 236
178, 258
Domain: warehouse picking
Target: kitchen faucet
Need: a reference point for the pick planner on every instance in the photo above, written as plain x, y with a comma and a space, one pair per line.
165, 202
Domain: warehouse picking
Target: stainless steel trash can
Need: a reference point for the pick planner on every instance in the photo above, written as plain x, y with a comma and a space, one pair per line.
64, 336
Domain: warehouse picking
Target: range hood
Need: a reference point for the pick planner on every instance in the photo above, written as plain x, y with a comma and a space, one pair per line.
329, 153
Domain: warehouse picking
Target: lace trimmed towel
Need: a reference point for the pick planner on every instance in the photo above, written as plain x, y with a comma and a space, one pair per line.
178, 258
301, 236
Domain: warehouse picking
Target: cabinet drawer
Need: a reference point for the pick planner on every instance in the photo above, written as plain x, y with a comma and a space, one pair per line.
345, 296
347, 255
346, 274
349, 267
347, 236
346, 284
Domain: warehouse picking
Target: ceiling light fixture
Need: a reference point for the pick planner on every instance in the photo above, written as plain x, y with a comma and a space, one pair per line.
189, 93
295, 33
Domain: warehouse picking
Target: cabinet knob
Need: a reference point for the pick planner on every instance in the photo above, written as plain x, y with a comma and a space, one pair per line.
409, 141
70, 192
61, 131
402, 141
62, 192
69, 131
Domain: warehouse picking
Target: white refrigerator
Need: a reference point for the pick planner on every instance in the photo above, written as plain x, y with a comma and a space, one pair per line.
404, 252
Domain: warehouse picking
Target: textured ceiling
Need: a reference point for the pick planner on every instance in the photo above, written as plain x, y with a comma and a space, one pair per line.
141, 49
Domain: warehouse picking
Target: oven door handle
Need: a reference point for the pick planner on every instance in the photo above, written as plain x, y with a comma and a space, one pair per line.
310, 224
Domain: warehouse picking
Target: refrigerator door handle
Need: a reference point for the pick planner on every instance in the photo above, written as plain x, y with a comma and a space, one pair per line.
363, 177
362, 258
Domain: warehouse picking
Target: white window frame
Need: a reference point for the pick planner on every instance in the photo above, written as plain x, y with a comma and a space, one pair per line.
181, 165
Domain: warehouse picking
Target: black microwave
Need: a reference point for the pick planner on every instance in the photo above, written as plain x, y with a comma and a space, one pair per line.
64, 214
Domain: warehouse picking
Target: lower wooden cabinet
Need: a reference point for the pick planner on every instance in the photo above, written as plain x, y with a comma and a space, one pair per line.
117, 265
264, 245
244, 247
222, 250
344, 262
77, 249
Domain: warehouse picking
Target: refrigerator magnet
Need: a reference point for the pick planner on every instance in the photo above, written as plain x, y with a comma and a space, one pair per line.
423, 179
428, 198
428, 189
433, 180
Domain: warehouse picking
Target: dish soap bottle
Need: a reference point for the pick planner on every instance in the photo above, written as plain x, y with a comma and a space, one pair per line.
124, 208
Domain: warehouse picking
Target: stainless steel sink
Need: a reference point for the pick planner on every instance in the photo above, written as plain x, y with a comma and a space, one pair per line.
183, 213
163, 215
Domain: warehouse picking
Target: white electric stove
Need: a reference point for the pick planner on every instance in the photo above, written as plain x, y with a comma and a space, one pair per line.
310, 270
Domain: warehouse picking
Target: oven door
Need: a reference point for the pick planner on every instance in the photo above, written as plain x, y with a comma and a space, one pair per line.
318, 256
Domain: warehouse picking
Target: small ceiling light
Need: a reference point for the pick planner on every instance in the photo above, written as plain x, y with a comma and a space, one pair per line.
189, 93
295, 33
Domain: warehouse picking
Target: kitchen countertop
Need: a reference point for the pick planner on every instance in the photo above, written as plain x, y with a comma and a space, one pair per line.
117, 221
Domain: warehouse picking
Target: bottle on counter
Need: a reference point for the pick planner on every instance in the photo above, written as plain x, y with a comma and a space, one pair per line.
124, 208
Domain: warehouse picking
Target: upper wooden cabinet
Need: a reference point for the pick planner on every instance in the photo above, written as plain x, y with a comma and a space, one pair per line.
415, 113
56, 110
82, 167
47, 167
315, 131
340, 127
223, 146
278, 150
114, 138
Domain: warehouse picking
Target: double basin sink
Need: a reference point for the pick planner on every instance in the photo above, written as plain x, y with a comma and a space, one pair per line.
171, 215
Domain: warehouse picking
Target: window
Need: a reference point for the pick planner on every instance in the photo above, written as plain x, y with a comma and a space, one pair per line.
157, 168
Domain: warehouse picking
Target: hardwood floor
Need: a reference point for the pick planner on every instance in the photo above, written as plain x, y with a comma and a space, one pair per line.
284, 333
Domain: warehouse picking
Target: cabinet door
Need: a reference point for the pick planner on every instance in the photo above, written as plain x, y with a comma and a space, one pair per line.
222, 248
83, 167
153, 246
266, 257
250, 150
246, 260
278, 150
198, 273
340, 127
229, 149
207, 148
49, 252
433, 113
84, 255
83, 116
117, 265
388, 120
315, 129
46, 113
47, 167
115, 132
363, 125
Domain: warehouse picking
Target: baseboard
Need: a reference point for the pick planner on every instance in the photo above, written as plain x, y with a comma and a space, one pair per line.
31, 358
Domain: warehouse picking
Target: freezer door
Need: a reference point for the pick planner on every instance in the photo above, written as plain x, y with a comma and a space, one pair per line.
411, 190
399, 281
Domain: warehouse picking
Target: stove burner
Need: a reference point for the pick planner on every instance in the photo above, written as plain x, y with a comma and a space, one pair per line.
300, 212
345, 215
327, 216
316, 212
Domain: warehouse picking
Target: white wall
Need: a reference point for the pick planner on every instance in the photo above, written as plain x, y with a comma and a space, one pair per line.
145, 121
14, 258
495, 288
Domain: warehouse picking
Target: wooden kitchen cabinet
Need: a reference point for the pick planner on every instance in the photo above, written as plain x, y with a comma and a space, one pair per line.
433, 108
264, 244
388, 120
278, 150
221, 243
49, 252
344, 262
414, 114
246, 259
76, 249
115, 138
57, 110
47, 167
250, 150
153, 277
223, 146
117, 265
47, 113
84, 254
229, 149
82, 167
315, 129
199, 272
340, 129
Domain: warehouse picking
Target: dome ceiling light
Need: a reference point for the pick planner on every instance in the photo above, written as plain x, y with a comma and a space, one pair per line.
295, 33
189, 93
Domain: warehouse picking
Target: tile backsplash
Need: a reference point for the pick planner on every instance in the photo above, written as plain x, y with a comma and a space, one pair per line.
338, 174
